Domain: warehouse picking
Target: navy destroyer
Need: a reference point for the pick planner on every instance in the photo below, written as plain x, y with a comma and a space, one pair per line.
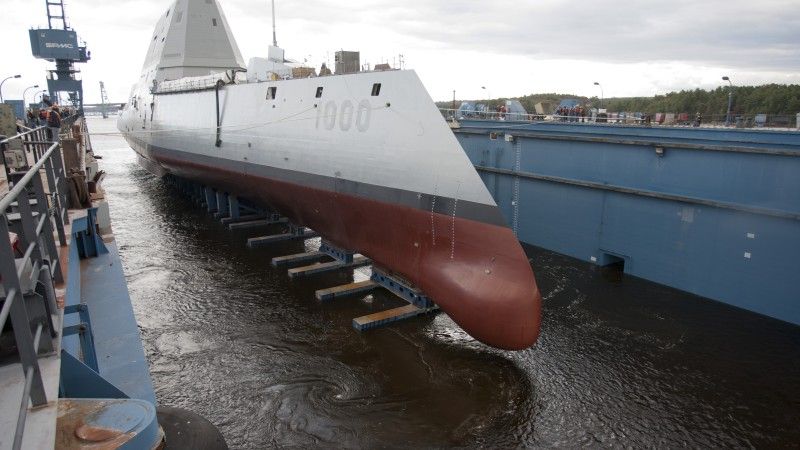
364, 159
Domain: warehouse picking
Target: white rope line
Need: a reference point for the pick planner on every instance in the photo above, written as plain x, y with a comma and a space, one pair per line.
433, 207
453, 225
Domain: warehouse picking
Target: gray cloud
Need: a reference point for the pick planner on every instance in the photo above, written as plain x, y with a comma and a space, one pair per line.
754, 41
762, 35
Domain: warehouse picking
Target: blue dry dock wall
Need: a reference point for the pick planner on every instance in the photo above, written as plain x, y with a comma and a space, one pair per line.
714, 212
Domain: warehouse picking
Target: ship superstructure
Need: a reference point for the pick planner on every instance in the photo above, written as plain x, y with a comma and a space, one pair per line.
365, 159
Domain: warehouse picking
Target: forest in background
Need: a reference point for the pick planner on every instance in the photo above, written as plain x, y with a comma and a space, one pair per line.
771, 99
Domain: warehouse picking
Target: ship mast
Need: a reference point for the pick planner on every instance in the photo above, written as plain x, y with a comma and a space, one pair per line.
274, 36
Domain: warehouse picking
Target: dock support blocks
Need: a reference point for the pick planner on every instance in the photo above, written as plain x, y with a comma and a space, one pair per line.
342, 259
401, 288
336, 252
211, 199
233, 214
294, 232
418, 302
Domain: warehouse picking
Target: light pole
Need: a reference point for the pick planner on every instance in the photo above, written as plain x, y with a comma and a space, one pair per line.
730, 100
26, 91
1, 85
42, 92
601, 93
488, 100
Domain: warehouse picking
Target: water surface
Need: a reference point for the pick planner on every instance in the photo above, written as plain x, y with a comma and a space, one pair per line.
620, 362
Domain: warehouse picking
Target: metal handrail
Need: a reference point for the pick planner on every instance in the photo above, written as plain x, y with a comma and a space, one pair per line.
766, 121
20, 185
41, 251
65, 121
20, 135
527, 117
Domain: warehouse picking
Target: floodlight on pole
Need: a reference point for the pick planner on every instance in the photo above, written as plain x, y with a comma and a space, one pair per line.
730, 100
42, 92
601, 93
26, 91
1, 85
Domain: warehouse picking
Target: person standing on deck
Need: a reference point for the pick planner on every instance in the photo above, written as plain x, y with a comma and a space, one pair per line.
54, 123
698, 119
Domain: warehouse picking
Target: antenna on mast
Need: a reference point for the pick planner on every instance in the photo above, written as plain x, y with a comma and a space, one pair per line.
274, 36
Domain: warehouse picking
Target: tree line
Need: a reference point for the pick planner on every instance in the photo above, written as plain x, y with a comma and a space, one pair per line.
771, 99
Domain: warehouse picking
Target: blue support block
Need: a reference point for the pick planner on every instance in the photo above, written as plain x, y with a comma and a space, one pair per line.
401, 289
211, 199
233, 207
222, 205
336, 253
198, 194
343, 259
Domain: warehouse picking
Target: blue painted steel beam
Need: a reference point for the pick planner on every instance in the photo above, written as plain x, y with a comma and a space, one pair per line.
715, 212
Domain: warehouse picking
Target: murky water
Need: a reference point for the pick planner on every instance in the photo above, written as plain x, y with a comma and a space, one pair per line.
619, 363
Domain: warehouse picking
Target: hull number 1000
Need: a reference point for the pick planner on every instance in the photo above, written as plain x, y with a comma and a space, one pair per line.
345, 116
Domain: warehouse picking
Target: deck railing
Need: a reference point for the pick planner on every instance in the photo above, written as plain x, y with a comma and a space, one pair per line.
29, 259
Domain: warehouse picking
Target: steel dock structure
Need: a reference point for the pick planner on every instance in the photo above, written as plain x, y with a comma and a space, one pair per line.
714, 212
73, 368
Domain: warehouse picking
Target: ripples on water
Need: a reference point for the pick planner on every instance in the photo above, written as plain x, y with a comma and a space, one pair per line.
623, 363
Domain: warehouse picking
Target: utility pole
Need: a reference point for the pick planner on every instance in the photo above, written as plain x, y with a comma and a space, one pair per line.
454, 99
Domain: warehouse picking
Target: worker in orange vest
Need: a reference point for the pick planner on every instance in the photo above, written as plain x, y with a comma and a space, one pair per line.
54, 123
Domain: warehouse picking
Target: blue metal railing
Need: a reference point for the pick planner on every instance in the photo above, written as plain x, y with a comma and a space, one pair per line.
33, 213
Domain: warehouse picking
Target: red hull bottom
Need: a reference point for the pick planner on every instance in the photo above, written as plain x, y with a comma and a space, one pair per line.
476, 272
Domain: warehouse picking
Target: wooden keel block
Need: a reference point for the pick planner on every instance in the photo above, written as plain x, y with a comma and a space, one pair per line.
345, 289
296, 258
298, 272
378, 319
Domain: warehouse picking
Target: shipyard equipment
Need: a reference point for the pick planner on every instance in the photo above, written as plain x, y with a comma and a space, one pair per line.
59, 43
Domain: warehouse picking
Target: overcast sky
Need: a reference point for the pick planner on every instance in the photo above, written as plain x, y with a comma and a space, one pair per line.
512, 47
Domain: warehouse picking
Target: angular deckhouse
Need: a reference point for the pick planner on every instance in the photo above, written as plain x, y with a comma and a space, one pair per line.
365, 159
191, 39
